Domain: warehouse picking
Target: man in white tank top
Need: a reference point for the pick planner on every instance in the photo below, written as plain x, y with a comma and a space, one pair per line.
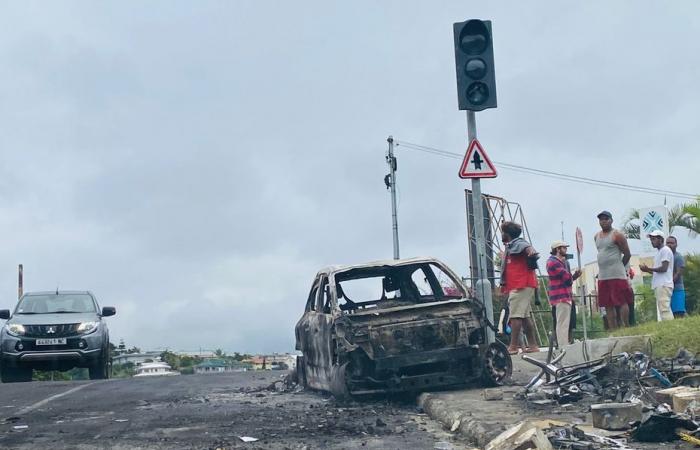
614, 293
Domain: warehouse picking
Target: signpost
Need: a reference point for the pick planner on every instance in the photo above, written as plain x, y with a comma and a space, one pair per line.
579, 250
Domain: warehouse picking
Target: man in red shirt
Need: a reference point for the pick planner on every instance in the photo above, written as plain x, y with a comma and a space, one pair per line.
518, 280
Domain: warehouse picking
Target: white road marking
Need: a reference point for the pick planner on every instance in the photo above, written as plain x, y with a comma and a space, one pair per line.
41, 403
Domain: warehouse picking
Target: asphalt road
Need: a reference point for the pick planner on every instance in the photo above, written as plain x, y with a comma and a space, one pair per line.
205, 412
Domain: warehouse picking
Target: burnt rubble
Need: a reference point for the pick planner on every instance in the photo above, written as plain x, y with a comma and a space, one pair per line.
645, 399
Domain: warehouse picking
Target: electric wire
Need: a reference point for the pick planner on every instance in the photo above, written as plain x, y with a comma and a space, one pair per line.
550, 174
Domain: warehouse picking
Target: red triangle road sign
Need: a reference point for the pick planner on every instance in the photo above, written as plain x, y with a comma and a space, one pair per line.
476, 163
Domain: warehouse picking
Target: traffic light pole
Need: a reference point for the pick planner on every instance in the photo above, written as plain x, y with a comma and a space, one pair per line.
482, 287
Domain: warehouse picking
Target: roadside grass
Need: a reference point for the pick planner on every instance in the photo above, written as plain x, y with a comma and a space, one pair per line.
668, 336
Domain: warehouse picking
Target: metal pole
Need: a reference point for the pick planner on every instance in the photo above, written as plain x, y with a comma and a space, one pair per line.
483, 285
583, 298
391, 160
20, 281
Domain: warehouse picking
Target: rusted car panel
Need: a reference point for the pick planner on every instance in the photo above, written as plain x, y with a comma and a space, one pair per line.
394, 326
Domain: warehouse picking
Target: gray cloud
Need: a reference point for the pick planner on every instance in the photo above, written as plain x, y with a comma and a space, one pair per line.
196, 165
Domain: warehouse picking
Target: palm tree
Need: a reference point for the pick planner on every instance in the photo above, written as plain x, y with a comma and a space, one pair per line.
693, 211
686, 216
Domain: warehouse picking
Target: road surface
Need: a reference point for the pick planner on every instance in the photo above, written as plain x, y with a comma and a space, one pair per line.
204, 412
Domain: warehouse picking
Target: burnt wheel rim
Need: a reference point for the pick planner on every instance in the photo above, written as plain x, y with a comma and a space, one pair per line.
497, 363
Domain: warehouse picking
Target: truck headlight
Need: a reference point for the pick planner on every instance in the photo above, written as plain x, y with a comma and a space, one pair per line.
16, 329
87, 327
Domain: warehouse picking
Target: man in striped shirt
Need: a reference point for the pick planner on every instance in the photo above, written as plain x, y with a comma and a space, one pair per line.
559, 289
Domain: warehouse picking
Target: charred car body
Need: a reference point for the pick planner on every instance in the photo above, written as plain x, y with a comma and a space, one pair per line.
391, 326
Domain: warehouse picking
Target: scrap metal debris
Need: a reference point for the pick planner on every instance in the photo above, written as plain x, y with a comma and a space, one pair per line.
572, 437
659, 399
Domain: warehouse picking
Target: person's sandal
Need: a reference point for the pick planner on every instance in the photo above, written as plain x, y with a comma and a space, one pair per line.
512, 351
532, 350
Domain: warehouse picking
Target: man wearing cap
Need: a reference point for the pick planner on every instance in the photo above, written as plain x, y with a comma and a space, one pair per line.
559, 290
661, 275
519, 282
614, 293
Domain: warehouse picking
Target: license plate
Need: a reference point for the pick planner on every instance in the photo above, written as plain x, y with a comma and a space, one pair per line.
52, 341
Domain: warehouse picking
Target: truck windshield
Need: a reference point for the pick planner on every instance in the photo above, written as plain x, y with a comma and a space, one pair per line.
56, 303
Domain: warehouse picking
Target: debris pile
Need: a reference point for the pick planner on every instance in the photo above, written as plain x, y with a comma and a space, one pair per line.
657, 399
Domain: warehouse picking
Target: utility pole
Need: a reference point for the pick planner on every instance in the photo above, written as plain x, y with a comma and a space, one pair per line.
390, 181
20, 281
482, 286
562, 230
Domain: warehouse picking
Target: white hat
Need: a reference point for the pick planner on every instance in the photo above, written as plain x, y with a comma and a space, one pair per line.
656, 233
557, 244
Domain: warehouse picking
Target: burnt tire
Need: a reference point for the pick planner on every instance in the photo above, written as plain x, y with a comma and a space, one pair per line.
497, 365
100, 369
15, 374
338, 384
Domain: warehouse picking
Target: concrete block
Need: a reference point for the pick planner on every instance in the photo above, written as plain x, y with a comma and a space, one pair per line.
666, 395
615, 416
597, 348
682, 400
493, 394
523, 436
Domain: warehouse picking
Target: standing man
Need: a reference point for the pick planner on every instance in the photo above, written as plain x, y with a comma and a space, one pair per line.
614, 292
661, 275
518, 280
559, 290
678, 296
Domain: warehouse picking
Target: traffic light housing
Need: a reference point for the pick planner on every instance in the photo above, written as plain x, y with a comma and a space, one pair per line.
476, 76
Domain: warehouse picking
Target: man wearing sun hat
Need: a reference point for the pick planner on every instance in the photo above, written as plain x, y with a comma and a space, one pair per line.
559, 290
661, 275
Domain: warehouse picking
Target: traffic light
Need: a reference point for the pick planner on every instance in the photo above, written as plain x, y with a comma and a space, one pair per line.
476, 77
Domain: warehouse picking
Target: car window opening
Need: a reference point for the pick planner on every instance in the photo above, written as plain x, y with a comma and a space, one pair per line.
391, 286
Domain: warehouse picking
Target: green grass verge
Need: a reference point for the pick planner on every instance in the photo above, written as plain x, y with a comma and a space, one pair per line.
667, 337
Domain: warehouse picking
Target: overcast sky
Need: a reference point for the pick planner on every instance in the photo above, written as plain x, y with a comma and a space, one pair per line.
195, 163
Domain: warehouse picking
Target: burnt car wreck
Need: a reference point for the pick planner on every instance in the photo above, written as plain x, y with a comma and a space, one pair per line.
393, 326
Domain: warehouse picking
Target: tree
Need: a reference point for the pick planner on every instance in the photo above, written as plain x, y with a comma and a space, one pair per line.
678, 216
693, 211
220, 353
691, 280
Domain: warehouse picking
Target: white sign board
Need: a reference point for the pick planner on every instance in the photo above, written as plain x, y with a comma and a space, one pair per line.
650, 219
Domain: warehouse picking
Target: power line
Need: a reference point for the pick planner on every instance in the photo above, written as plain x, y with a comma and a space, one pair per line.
555, 175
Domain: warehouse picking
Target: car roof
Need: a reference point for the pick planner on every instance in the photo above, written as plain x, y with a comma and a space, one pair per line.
56, 292
381, 263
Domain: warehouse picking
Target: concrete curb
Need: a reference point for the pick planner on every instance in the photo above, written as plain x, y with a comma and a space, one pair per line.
468, 413
456, 420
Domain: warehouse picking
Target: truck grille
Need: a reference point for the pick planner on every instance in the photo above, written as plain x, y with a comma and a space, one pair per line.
51, 331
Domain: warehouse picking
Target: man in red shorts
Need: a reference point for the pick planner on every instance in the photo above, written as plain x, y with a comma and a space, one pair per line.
613, 289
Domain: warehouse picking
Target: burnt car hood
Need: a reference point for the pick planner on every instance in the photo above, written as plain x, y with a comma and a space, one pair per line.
412, 328
442, 309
